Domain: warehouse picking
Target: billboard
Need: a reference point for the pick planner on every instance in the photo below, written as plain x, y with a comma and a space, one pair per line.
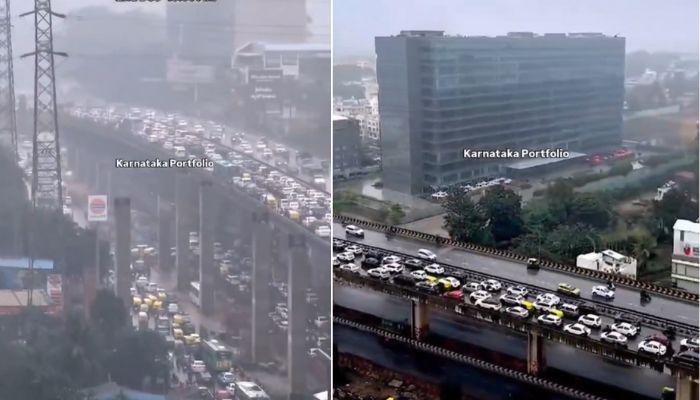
97, 208
187, 73
264, 83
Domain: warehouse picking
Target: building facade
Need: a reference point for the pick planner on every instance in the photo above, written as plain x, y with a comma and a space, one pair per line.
439, 95
347, 146
686, 255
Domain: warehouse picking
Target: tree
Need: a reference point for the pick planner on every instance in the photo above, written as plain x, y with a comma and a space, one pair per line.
464, 221
568, 241
344, 201
108, 313
560, 195
589, 208
501, 208
395, 214
676, 204
137, 355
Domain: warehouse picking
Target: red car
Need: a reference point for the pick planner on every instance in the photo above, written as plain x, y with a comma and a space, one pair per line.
455, 295
223, 395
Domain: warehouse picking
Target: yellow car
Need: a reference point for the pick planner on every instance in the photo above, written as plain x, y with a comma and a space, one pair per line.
431, 279
177, 334
556, 312
528, 305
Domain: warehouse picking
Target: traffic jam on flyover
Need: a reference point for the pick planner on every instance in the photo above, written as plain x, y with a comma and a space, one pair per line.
560, 307
208, 363
257, 167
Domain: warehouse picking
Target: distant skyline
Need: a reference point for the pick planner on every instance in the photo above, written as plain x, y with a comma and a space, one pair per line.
657, 25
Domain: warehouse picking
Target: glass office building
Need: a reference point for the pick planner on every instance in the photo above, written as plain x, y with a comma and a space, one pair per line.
439, 95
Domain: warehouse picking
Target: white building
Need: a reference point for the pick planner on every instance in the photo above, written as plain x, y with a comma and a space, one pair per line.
369, 127
686, 252
609, 261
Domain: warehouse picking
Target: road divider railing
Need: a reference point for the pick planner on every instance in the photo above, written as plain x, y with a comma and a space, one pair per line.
474, 362
511, 256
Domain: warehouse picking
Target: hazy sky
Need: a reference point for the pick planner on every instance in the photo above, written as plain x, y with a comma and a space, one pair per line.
647, 24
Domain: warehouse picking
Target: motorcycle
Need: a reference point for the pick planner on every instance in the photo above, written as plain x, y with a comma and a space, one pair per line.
644, 297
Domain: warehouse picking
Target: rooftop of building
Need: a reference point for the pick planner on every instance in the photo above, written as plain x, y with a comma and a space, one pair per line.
687, 226
537, 162
20, 298
110, 391
511, 35
23, 263
337, 117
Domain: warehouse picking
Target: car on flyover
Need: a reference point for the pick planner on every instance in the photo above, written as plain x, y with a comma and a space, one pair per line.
569, 290
353, 230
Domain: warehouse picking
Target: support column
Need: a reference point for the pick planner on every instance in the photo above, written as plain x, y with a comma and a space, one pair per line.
298, 316
260, 338
420, 318
686, 386
536, 360
164, 235
207, 271
182, 251
122, 252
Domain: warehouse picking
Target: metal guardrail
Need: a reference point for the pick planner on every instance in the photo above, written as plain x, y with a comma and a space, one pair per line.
511, 256
608, 350
483, 365
602, 307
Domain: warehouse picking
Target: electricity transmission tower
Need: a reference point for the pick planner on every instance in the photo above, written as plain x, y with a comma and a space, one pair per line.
47, 189
8, 120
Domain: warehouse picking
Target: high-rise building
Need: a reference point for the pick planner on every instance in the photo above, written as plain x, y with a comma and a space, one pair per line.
439, 95
347, 147
686, 254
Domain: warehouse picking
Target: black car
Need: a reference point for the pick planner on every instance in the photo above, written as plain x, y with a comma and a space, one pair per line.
374, 254
403, 280
428, 287
688, 357
587, 308
370, 262
413, 264
338, 245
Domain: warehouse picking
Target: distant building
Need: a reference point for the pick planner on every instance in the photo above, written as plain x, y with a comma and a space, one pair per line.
271, 21
609, 261
439, 95
686, 253
347, 146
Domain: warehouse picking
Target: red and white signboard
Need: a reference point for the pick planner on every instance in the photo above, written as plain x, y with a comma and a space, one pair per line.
97, 208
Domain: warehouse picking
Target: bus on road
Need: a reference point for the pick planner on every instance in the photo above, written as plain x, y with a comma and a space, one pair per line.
194, 293
217, 356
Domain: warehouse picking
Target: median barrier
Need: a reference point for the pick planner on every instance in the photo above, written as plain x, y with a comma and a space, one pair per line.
511, 256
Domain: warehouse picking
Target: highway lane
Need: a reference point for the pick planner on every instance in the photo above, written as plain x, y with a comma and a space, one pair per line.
646, 382
624, 297
475, 382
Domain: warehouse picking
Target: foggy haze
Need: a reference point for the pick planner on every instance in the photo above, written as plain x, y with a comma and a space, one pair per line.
652, 25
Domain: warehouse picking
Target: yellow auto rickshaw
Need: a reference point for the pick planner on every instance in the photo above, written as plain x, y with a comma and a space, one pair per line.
162, 296
178, 320
136, 302
148, 302
178, 334
157, 305
192, 339
143, 308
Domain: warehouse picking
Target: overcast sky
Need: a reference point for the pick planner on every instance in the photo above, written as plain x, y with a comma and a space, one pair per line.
653, 25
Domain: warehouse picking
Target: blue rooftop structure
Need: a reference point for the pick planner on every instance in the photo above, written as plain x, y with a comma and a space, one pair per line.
23, 263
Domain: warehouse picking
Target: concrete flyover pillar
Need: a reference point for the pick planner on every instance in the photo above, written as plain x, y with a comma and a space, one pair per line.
536, 359
122, 252
686, 386
298, 277
420, 317
165, 233
207, 269
262, 239
182, 251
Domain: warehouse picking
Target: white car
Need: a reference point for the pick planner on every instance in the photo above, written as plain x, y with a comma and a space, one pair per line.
321, 320
346, 256
625, 328
323, 231
544, 304
652, 347
471, 287
393, 268
517, 291
381, 273
198, 366
391, 259
491, 285
690, 343
590, 320
354, 249
173, 308
577, 329
350, 267
435, 269
548, 297
511, 299
419, 275
427, 255
479, 295
613, 337
603, 291
489, 304
354, 231
549, 319
454, 282
518, 311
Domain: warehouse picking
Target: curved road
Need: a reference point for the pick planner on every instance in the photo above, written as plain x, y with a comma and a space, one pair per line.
643, 381
624, 297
